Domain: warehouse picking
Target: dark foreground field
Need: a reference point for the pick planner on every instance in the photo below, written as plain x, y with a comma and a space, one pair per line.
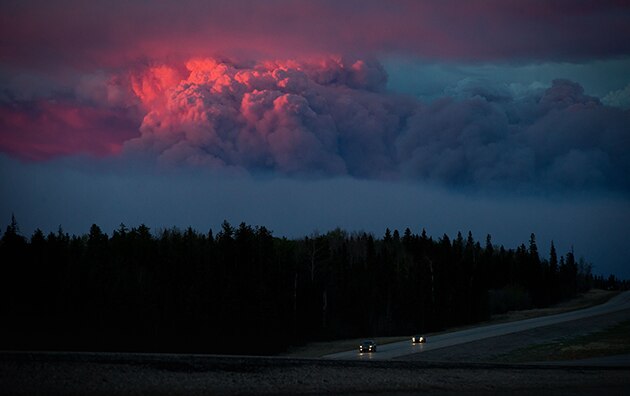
479, 368
133, 374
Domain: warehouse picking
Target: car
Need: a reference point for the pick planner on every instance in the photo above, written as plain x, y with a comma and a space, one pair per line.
367, 346
418, 339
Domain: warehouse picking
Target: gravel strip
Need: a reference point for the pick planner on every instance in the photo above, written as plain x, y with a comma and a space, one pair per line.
131, 374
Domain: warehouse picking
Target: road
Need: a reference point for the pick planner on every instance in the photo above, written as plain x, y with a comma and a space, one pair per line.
88, 373
403, 348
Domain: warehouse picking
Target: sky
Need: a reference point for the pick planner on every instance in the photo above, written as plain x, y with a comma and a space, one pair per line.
496, 117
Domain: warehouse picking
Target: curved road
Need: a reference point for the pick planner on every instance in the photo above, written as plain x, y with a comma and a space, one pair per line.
402, 348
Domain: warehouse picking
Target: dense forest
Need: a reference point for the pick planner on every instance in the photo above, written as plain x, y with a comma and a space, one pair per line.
242, 290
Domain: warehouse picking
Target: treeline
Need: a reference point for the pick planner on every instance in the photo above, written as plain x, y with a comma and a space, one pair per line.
245, 291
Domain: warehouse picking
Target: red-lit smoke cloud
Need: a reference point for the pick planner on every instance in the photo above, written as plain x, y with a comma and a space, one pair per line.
332, 117
184, 82
45, 129
95, 117
324, 116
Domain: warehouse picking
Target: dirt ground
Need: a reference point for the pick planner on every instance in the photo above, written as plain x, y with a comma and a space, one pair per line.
112, 374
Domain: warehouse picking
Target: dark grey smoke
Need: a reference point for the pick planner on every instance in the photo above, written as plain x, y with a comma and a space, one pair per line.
560, 138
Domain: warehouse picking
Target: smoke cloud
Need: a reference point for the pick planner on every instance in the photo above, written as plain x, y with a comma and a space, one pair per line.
327, 117
559, 137
43, 129
332, 117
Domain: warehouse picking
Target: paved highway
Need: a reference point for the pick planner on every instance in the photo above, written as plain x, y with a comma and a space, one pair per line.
396, 349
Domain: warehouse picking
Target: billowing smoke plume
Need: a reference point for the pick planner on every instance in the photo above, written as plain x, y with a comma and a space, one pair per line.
334, 117
328, 117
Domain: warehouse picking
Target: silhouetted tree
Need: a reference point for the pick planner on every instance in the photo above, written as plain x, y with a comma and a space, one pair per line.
186, 291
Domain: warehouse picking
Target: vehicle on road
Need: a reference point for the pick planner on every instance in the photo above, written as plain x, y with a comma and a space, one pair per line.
418, 339
367, 346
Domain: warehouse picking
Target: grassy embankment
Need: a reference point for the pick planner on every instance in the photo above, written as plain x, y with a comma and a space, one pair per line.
614, 340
